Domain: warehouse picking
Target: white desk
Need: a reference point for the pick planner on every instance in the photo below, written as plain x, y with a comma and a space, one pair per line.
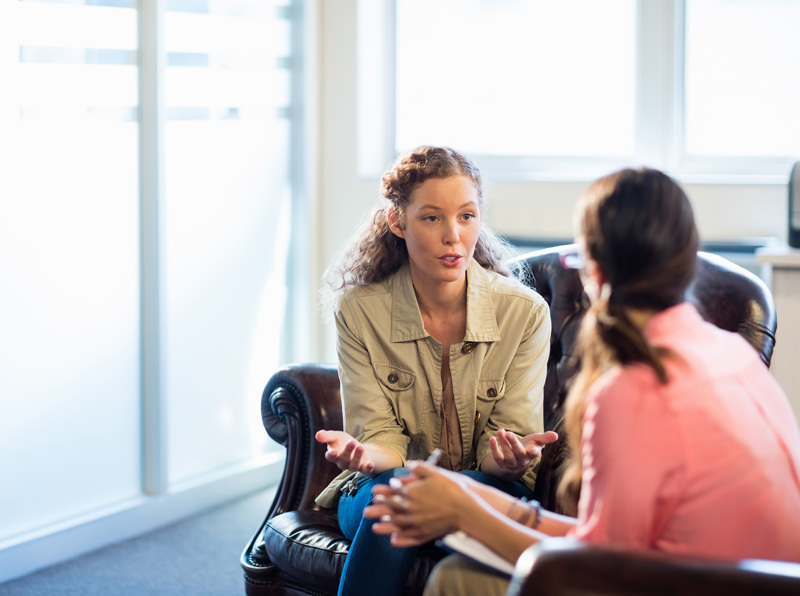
784, 271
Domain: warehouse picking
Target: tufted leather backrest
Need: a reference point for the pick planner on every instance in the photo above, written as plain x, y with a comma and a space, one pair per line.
725, 294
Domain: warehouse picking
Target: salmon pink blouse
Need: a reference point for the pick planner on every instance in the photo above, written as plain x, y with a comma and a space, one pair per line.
707, 464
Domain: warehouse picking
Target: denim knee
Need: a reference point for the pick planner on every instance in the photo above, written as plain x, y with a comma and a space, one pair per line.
351, 504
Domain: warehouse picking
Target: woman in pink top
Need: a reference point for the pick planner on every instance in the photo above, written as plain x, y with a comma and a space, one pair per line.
684, 442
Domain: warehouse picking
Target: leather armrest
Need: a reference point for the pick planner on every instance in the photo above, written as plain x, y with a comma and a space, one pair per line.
561, 566
299, 400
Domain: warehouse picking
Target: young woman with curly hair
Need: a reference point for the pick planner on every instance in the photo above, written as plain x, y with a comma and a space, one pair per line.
439, 347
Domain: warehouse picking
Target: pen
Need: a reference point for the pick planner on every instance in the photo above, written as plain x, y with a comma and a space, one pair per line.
433, 459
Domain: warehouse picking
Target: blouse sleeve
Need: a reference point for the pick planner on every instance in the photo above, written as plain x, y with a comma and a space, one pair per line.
631, 451
368, 415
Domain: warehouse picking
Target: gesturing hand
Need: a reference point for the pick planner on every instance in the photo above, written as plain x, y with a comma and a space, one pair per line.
345, 451
514, 454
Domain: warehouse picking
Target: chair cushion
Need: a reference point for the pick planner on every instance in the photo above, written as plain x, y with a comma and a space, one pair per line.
309, 547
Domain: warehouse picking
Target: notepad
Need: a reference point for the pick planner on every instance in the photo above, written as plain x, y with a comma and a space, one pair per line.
461, 543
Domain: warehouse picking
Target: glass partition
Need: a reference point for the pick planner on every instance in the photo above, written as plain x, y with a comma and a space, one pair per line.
226, 222
69, 242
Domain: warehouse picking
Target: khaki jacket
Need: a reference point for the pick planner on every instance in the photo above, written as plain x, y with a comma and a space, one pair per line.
390, 368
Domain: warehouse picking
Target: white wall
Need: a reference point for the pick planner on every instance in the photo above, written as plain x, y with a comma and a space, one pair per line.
724, 211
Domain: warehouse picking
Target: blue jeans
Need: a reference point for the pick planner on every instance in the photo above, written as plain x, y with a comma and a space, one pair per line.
373, 565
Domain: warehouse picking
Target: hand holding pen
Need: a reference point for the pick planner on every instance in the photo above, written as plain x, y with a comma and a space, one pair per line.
416, 508
433, 460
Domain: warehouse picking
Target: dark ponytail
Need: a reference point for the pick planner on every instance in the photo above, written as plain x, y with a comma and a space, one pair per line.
639, 229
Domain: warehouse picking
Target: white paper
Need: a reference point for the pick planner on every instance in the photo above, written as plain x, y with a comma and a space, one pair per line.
467, 546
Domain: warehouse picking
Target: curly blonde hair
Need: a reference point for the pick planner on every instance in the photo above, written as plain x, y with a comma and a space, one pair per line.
375, 252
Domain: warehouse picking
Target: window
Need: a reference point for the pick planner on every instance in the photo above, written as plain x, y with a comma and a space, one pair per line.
742, 78
69, 241
517, 78
227, 205
561, 90
145, 209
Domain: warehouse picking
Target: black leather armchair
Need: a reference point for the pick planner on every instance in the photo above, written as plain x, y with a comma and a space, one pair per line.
298, 548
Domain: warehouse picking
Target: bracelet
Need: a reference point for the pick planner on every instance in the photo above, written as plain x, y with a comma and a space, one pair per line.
518, 518
532, 508
536, 507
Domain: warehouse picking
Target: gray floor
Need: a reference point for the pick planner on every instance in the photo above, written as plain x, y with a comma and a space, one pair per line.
195, 557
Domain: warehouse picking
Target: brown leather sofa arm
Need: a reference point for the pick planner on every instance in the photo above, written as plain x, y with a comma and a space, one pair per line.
561, 566
298, 550
298, 401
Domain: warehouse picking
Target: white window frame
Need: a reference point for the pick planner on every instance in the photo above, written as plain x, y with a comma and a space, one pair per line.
660, 115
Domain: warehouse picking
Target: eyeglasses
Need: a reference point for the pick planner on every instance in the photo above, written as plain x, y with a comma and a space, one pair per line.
571, 257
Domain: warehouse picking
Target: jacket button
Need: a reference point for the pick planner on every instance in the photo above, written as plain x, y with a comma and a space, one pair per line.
468, 348
492, 392
392, 378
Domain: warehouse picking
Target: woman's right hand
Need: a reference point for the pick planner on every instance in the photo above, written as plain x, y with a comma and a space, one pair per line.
345, 451
424, 505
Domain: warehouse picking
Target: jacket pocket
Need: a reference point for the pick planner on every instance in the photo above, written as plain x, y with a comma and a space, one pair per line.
490, 390
393, 377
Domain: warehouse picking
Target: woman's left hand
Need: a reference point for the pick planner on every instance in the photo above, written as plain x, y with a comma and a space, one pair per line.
514, 454
423, 506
